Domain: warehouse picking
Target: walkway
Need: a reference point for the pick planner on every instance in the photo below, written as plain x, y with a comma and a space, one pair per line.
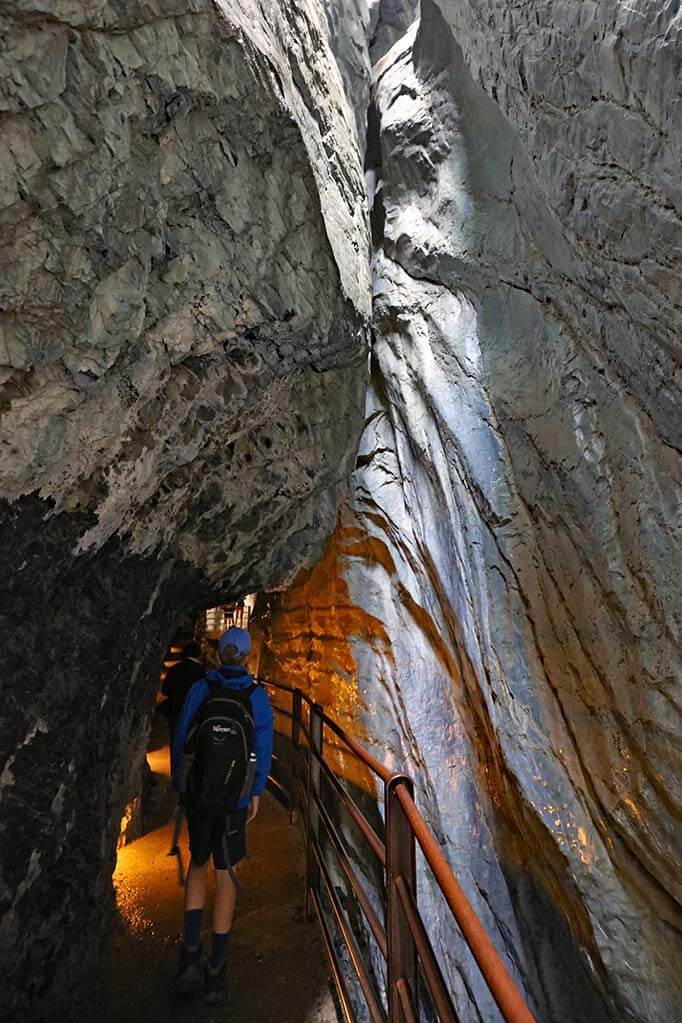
278, 968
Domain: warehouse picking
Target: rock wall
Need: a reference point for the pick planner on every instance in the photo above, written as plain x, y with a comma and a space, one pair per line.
515, 506
184, 299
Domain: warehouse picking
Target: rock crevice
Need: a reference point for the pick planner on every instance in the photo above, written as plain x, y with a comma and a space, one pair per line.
516, 486
183, 342
189, 276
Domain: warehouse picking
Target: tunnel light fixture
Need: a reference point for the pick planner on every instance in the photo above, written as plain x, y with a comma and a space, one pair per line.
224, 616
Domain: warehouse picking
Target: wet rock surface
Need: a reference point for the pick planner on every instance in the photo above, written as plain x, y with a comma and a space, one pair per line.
183, 305
82, 643
511, 541
184, 299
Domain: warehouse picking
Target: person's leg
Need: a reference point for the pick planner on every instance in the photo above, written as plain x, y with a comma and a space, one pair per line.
225, 894
223, 915
229, 848
225, 902
195, 887
195, 897
189, 976
223, 911
200, 837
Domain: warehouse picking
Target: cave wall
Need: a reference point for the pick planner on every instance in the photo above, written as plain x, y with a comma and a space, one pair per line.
184, 303
184, 300
510, 542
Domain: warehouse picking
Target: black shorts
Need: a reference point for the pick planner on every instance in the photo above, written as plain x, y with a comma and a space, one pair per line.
222, 837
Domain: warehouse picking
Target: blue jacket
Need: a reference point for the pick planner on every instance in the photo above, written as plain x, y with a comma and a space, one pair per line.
231, 678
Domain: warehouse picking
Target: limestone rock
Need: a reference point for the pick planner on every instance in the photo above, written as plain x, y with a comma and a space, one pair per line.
182, 269
184, 297
515, 509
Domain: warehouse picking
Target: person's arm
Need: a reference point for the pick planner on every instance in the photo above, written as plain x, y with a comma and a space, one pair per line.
191, 707
262, 746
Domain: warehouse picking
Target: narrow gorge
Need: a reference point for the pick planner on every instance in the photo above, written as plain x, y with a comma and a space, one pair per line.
372, 308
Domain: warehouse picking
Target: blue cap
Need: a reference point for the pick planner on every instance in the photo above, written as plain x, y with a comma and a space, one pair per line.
236, 637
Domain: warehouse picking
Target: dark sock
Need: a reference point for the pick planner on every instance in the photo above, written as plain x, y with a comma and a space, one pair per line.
218, 950
193, 928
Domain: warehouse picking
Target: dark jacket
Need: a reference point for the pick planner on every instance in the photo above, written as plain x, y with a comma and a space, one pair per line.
178, 682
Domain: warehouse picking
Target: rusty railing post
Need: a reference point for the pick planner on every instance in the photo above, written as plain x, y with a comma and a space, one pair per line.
312, 872
293, 769
400, 863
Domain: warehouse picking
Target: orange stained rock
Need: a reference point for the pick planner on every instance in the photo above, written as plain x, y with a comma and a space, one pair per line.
303, 638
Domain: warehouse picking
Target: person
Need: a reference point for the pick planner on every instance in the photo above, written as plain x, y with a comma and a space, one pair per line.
178, 681
221, 834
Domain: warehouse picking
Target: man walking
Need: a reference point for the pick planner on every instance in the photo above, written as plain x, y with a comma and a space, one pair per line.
178, 681
221, 759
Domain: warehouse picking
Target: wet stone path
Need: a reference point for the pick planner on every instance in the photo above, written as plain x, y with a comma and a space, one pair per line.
277, 965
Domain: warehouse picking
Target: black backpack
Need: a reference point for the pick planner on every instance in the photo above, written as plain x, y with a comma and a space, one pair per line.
218, 763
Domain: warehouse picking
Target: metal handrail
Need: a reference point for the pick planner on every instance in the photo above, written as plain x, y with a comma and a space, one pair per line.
351, 943
500, 983
363, 825
439, 992
405, 940
406, 1002
360, 893
339, 979
362, 754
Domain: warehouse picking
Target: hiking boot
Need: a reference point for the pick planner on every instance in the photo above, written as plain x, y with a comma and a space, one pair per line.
214, 984
188, 979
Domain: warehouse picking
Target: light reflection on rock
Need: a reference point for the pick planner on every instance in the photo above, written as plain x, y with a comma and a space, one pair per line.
515, 496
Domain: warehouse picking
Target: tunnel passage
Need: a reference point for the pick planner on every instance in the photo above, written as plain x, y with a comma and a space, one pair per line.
270, 938
494, 611
183, 365
184, 302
